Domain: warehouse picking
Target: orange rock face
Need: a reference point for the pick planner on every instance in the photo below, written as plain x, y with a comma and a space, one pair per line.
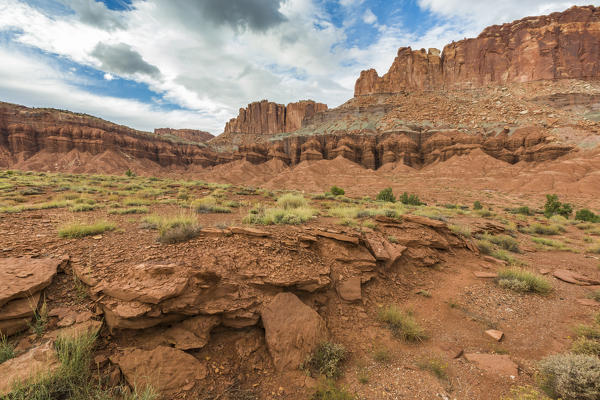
265, 117
555, 46
192, 135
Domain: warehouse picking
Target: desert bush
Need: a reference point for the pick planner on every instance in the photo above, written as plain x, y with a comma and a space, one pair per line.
540, 229
326, 360
584, 345
460, 230
555, 207
79, 230
411, 199
522, 280
526, 393
503, 255
83, 207
291, 201
381, 354
555, 244
129, 173
337, 191
504, 241
386, 195
328, 390
586, 215
209, 204
280, 216
571, 376
523, 210
130, 210
588, 331
594, 249
485, 247
7, 351
402, 324
435, 365
477, 205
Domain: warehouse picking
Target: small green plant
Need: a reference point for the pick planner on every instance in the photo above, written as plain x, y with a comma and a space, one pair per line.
412, 199
129, 210
83, 207
584, 345
337, 191
386, 195
209, 204
129, 173
552, 229
504, 241
424, 293
7, 351
326, 360
291, 201
586, 215
435, 365
40, 319
485, 247
392, 239
523, 210
555, 207
460, 230
362, 375
588, 331
79, 230
477, 205
521, 280
571, 376
402, 324
328, 390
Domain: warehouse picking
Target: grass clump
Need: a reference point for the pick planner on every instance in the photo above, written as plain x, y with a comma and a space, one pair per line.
7, 351
129, 210
326, 360
460, 230
131, 202
504, 241
209, 204
584, 345
485, 247
290, 201
521, 280
83, 207
381, 354
328, 390
173, 229
571, 376
595, 295
555, 244
402, 324
588, 331
280, 215
552, 229
435, 365
526, 393
79, 230
40, 319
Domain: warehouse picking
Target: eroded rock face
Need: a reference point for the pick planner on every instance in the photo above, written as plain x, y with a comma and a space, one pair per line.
292, 330
265, 117
192, 135
555, 46
23, 277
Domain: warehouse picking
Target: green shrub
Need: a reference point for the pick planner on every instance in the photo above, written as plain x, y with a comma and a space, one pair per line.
337, 191
504, 241
555, 207
586, 215
412, 199
132, 201
584, 345
477, 205
130, 210
485, 247
291, 201
129, 173
173, 229
546, 229
79, 230
327, 390
521, 280
326, 360
7, 351
588, 331
555, 244
523, 210
571, 376
402, 324
209, 204
386, 195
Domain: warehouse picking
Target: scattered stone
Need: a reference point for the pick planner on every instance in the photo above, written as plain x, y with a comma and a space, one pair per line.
495, 334
497, 364
28, 367
350, 289
22, 277
192, 333
249, 231
485, 274
164, 368
292, 330
88, 327
377, 246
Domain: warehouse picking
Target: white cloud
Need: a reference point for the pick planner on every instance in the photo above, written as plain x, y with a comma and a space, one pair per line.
109, 76
369, 17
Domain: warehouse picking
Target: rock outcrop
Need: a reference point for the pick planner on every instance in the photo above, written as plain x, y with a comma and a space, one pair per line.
265, 117
555, 46
191, 135
28, 367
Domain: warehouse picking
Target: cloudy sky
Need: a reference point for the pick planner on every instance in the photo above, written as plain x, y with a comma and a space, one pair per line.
194, 63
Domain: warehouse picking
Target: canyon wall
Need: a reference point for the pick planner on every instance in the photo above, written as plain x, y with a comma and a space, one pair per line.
191, 135
265, 117
555, 46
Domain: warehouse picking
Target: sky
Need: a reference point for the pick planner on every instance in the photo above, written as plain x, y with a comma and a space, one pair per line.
193, 63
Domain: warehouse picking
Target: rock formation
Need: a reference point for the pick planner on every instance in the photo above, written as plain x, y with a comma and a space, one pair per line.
555, 46
191, 135
265, 117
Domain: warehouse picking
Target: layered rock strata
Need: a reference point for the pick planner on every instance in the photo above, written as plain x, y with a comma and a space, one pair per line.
555, 46
192, 135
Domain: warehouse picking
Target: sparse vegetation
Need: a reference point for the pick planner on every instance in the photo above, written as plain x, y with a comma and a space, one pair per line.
79, 230
571, 376
326, 360
584, 345
402, 324
7, 350
290, 201
411, 199
130, 210
586, 215
292, 210
554, 244
435, 365
386, 195
337, 191
552, 229
209, 204
477, 205
460, 230
504, 241
521, 280
555, 207
328, 390
40, 319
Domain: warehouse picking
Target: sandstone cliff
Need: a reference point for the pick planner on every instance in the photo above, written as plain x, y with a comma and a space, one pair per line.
190, 135
266, 117
555, 46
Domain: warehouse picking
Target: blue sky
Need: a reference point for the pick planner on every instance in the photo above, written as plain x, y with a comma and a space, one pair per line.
194, 63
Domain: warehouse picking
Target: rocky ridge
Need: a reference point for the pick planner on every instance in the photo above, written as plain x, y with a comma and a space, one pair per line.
192, 135
556, 46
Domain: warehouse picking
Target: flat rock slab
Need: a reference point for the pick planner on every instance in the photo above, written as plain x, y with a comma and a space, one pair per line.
418, 219
28, 367
20, 308
11, 326
377, 247
249, 231
338, 236
485, 274
91, 327
22, 277
292, 330
192, 333
496, 364
495, 334
349, 289
167, 369
574, 278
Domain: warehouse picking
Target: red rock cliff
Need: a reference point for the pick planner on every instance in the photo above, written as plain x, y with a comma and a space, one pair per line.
192, 135
265, 117
555, 46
